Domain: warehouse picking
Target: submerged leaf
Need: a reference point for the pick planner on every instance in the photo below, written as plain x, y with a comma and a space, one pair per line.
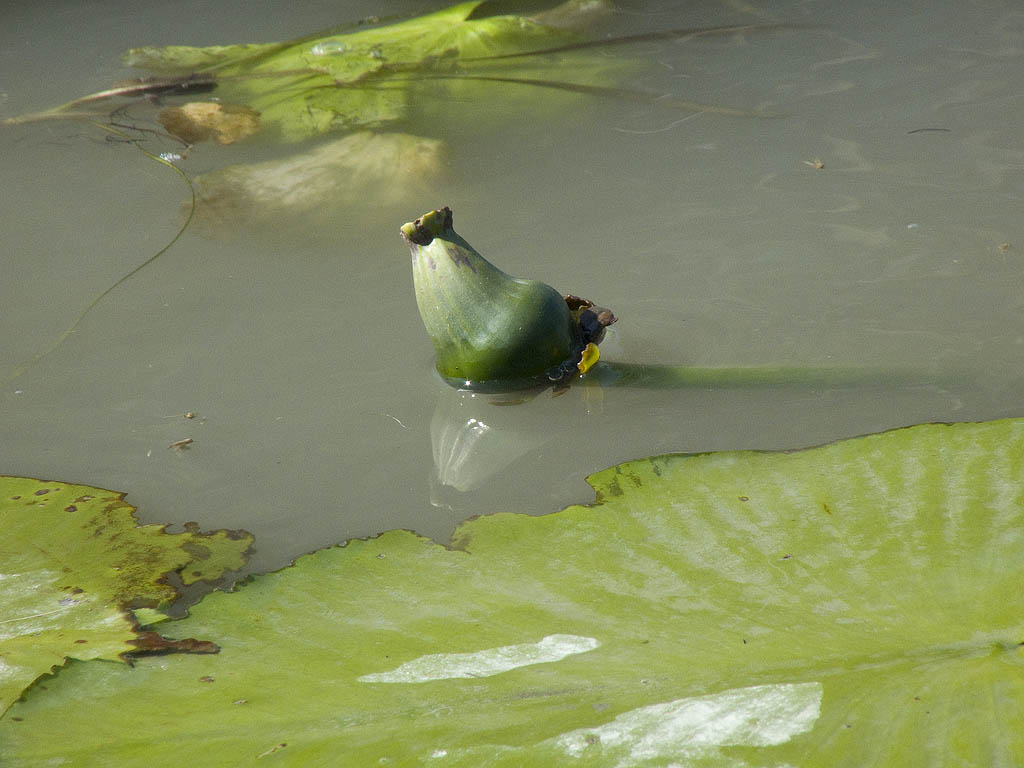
849, 605
171, 59
418, 70
575, 14
362, 169
202, 120
74, 563
473, 65
349, 81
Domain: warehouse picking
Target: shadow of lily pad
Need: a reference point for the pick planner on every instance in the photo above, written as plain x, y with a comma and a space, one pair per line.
848, 605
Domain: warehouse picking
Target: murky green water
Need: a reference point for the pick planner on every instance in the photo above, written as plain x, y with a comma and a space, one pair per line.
715, 240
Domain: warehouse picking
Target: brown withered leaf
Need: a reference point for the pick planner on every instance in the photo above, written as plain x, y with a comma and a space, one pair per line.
203, 120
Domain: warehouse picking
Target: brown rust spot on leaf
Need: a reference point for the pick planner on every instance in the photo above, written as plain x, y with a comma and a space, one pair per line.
196, 550
152, 643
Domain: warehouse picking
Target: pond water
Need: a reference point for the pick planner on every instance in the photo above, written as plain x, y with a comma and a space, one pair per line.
715, 239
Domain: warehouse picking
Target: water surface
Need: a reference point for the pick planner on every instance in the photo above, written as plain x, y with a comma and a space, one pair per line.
715, 239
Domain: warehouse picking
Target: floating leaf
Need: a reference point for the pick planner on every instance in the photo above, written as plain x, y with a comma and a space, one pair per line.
349, 81
849, 605
417, 70
74, 562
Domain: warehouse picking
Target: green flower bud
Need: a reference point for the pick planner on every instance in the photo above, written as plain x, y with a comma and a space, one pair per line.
491, 330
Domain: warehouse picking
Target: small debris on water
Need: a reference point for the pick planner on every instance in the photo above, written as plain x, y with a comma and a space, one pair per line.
180, 445
396, 420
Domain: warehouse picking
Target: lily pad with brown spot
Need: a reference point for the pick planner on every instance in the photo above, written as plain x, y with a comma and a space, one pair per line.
74, 562
857, 604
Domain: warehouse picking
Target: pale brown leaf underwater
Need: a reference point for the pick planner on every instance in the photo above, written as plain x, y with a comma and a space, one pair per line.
204, 120
362, 169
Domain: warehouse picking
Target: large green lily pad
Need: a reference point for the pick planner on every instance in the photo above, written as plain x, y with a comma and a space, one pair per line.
849, 605
74, 562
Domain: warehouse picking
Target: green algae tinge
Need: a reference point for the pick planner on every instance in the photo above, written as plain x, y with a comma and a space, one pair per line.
492, 331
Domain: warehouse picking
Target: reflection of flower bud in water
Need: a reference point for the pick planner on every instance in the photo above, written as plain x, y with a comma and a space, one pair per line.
491, 330
473, 439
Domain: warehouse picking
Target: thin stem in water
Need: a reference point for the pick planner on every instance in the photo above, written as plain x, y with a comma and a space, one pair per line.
26, 366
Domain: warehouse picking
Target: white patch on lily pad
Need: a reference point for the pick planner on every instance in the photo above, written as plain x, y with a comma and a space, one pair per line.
695, 727
20, 602
492, 661
11, 672
29, 606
